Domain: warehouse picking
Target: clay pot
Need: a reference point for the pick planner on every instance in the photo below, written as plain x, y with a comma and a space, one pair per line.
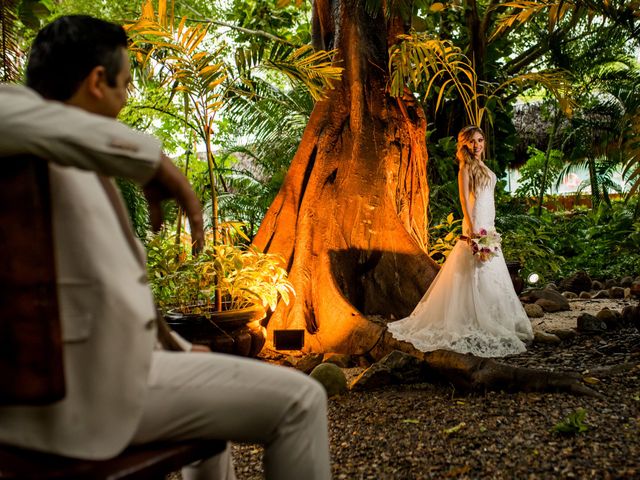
236, 332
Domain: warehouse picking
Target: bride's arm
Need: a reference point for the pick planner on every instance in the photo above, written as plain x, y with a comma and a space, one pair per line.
463, 188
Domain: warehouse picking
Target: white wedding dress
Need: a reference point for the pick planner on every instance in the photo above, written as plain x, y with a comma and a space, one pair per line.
471, 306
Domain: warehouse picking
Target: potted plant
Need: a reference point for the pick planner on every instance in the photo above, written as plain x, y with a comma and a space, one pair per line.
249, 284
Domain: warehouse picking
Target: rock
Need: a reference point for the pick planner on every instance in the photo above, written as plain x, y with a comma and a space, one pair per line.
526, 298
589, 324
560, 302
551, 286
631, 316
626, 281
612, 318
308, 362
550, 305
584, 295
627, 293
569, 295
596, 285
578, 282
533, 310
602, 294
616, 292
637, 279
397, 367
342, 361
331, 377
563, 334
611, 282
546, 338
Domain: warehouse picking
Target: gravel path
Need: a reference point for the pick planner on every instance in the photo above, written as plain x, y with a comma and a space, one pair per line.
432, 431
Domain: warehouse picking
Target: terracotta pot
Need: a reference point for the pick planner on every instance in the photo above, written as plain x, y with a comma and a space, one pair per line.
237, 332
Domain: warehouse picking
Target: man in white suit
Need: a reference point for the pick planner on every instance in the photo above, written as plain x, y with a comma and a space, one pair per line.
119, 389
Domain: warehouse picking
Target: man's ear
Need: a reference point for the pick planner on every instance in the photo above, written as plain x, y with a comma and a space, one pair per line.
95, 82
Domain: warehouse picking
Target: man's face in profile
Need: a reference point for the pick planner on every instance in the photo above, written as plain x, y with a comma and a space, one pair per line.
115, 97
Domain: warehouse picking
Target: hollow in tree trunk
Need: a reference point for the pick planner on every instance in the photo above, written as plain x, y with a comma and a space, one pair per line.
351, 217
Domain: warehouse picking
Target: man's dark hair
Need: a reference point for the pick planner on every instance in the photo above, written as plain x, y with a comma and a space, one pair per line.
65, 51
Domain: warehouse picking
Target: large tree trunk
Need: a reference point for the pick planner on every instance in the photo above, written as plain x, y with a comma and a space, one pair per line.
351, 217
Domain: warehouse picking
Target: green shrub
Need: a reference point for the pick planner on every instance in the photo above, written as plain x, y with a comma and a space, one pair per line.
605, 242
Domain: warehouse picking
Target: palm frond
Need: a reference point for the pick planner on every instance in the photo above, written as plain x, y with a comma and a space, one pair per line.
621, 12
9, 49
556, 82
270, 123
423, 59
314, 69
522, 11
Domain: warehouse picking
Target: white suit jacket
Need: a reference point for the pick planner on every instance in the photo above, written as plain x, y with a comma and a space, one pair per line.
107, 310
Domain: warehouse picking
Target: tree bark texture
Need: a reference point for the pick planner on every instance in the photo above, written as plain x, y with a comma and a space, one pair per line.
351, 217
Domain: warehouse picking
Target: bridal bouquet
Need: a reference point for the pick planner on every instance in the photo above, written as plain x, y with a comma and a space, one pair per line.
485, 244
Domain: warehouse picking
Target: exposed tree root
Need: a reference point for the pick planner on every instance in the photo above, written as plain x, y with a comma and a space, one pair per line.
471, 373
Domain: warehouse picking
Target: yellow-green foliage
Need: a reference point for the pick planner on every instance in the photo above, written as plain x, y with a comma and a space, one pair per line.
244, 275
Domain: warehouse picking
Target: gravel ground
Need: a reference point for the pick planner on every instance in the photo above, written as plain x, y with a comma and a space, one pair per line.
433, 431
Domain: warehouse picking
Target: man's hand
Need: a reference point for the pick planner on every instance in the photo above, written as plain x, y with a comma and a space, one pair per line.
200, 348
169, 182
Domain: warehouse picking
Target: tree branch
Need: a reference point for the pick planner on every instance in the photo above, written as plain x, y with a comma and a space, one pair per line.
535, 52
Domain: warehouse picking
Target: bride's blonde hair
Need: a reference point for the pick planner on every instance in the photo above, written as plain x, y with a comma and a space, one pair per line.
478, 172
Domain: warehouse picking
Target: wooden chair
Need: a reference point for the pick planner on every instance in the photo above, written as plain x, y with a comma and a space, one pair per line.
153, 461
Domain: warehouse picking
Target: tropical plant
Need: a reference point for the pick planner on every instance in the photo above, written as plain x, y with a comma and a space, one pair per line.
443, 238
8, 41
178, 54
241, 276
529, 240
136, 206
602, 136
188, 60
596, 41
442, 175
440, 65
533, 181
604, 242
619, 12
245, 200
262, 132
19, 20
573, 423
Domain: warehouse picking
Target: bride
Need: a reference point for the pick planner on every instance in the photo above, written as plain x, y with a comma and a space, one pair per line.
471, 306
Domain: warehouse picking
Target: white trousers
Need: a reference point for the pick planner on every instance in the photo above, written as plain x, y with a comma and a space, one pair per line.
216, 396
